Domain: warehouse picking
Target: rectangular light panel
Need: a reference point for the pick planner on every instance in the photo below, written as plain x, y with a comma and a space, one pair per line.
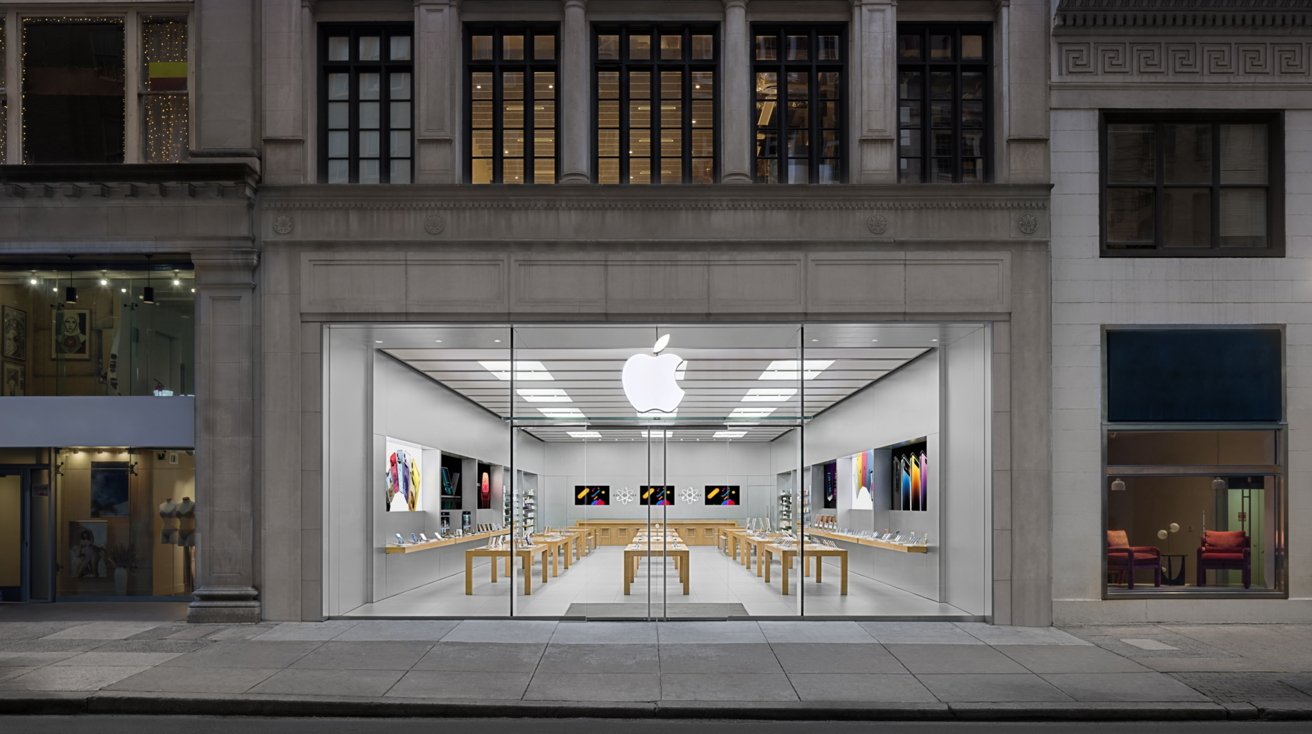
561, 412
786, 369
524, 370
730, 434
749, 413
769, 394
544, 395
584, 434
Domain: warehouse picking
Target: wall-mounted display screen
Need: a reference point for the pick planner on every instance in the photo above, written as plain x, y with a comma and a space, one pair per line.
911, 477
484, 486
657, 494
723, 495
595, 495
831, 485
451, 497
404, 476
863, 480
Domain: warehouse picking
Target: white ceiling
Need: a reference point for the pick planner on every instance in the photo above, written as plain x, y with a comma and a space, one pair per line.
722, 364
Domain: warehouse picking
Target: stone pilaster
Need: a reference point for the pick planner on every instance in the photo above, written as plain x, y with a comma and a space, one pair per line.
225, 78
874, 103
736, 88
225, 437
283, 101
575, 95
437, 51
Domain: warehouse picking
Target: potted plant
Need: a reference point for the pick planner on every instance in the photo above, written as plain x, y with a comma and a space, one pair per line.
122, 557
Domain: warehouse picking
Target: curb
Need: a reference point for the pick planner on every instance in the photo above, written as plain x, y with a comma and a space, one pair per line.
114, 703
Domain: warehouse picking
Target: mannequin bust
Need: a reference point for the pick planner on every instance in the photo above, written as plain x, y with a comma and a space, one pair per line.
186, 508
168, 508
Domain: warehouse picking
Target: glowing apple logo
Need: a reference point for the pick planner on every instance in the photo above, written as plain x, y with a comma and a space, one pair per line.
650, 382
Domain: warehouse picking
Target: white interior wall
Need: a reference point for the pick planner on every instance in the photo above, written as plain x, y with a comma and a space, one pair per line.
964, 498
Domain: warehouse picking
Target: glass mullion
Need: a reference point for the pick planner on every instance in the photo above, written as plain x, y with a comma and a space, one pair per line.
1216, 186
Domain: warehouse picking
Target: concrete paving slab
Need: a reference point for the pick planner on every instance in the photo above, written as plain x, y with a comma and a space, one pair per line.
478, 630
774, 687
815, 632
245, 655
338, 682
460, 685
240, 632
698, 633
7, 673
379, 630
102, 631
365, 656
1000, 635
51, 645
177, 646
32, 659
592, 633
473, 657
114, 659
832, 657
994, 688
1255, 687
860, 688
919, 633
600, 659
194, 680
31, 630
732, 658
949, 659
1112, 687
306, 631
594, 687
53, 678
1070, 659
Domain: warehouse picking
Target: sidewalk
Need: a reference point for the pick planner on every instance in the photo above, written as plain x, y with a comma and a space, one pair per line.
830, 670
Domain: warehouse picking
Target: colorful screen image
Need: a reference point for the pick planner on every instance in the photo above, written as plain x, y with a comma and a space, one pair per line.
404, 476
831, 485
595, 495
911, 477
863, 480
656, 494
723, 495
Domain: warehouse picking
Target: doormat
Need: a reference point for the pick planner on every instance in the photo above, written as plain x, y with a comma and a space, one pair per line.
673, 610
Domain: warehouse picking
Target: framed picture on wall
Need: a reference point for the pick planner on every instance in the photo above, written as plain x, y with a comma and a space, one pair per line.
13, 333
656, 494
14, 379
70, 334
595, 495
722, 495
87, 541
109, 488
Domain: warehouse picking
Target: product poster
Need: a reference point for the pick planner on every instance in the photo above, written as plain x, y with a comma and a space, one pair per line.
404, 476
911, 477
723, 495
109, 488
656, 494
593, 495
863, 480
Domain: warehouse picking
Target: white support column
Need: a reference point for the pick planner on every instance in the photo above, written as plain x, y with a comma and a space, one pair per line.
873, 87
736, 90
437, 91
575, 96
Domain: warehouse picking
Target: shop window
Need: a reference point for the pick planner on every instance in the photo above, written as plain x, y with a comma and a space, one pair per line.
656, 93
799, 85
944, 105
73, 90
366, 93
4, 101
165, 102
1194, 479
511, 119
1180, 185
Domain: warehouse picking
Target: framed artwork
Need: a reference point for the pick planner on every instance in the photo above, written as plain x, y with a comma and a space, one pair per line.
911, 477
70, 335
87, 540
13, 333
656, 494
14, 379
594, 495
109, 488
730, 495
404, 474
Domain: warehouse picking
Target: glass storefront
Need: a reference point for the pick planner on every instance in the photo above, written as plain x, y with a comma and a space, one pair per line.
657, 471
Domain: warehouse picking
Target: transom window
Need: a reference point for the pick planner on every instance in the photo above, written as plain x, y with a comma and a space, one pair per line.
655, 104
799, 103
366, 115
1190, 184
943, 108
511, 83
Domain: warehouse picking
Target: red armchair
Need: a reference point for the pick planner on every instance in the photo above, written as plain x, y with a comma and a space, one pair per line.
1126, 559
1225, 550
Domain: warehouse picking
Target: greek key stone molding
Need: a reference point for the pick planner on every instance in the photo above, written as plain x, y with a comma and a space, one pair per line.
1151, 60
1117, 15
704, 203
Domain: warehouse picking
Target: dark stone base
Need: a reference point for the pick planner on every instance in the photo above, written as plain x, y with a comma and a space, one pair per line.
226, 605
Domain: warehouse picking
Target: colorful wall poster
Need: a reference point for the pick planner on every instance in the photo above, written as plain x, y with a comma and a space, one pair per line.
911, 477
656, 494
723, 495
863, 480
594, 495
404, 475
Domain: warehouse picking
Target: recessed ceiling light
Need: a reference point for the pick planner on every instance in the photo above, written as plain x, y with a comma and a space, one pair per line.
769, 394
813, 341
786, 369
496, 341
544, 395
874, 340
524, 370
933, 340
749, 413
657, 434
737, 424
437, 341
729, 434
561, 412
378, 341
583, 434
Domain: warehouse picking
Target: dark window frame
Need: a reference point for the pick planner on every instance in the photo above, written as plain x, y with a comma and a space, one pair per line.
656, 65
353, 67
1275, 219
925, 65
813, 66
496, 66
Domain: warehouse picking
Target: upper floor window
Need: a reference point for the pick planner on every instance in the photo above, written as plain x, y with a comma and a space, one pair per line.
4, 99
799, 103
366, 116
943, 110
78, 84
655, 102
511, 82
1190, 184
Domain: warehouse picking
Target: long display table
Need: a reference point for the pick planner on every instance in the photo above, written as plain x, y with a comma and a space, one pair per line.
871, 542
622, 532
442, 542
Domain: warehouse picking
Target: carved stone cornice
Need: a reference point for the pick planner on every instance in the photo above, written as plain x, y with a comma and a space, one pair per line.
1113, 16
131, 181
1184, 60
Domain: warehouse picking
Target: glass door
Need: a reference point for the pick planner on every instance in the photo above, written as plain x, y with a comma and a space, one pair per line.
13, 536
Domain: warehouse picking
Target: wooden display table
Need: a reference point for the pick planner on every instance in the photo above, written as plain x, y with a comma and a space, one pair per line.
750, 543
869, 542
554, 543
442, 543
818, 552
732, 537
670, 547
494, 553
622, 532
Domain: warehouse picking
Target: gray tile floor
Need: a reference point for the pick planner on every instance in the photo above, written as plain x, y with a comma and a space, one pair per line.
914, 663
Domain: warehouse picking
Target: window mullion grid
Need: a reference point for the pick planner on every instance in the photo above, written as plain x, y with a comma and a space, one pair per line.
655, 96
498, 119
1216, 186
353, 113
958, 109
781, 111
685, 84
813, 106
926, 110
385, 109
1159, 184
626, 140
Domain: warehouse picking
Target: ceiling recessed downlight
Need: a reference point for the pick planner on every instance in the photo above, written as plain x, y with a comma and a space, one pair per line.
544, 395
524, 370
561, 412
583, 434
787, 369
769, 394
729, 434
749, 413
